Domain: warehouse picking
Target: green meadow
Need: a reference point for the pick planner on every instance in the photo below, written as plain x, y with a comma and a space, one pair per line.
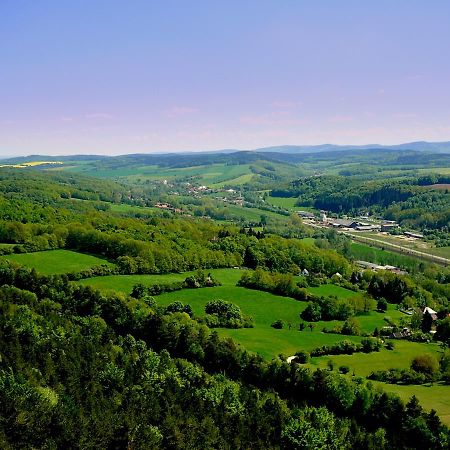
384, 257
283, 202
125, 283
56, 261
263, 307
431, 396
364, 364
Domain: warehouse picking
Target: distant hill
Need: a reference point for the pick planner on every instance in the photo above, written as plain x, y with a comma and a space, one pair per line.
269, 152
435, 147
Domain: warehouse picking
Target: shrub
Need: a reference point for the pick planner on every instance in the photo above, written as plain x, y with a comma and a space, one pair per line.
278, 324
382, 304
351, 327
220, 313
177, 306
312, 313
344, 369
426, 364
302, 357
370, 345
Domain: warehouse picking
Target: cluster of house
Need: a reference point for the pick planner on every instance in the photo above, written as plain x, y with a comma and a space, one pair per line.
167, 207
405, 333
360, 224
377, 267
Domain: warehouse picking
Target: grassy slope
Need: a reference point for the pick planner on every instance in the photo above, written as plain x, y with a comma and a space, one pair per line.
56, 261
125, 283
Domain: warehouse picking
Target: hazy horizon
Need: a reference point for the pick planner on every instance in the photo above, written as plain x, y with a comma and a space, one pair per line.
111, 78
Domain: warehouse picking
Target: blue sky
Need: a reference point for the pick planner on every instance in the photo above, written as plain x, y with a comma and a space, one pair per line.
114, 77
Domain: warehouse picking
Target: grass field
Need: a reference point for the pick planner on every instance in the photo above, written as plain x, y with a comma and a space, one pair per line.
2, 245
364, 364
331, 289
379, 256
418, 245
283, 202
264, 307
254, 214
125, 209
125, 283
436, 396
56, 261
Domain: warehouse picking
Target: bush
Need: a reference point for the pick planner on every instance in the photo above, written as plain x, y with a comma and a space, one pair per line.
223, 309
220, 313
312, 313
370, 345
390, 345
344, 369
278, 324
382, 304
426, 364
302, 357
177, 306
351, 327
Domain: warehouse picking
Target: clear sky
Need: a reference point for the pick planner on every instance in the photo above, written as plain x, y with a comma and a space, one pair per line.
114, 77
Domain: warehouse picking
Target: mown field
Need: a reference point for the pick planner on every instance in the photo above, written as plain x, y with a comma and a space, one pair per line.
364, 364
125, 283
283, 202
57, 261
431, 396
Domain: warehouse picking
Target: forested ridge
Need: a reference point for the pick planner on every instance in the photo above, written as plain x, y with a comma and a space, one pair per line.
407, 201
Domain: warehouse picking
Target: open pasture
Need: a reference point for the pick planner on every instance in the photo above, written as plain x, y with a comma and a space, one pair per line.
125, 283
56, 261
363, 364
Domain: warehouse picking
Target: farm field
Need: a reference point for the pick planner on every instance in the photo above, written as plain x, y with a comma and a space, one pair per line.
241, 179
418, 245
384, 257
56, 261
207, 174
